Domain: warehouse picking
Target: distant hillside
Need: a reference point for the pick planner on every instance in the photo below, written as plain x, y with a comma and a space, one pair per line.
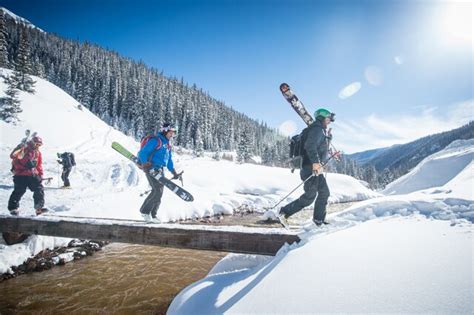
365, 156
381, 166
406, 156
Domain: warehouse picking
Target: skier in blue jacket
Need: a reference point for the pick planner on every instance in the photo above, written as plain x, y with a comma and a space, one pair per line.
154, 155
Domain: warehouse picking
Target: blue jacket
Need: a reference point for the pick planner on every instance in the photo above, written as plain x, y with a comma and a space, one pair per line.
159, 158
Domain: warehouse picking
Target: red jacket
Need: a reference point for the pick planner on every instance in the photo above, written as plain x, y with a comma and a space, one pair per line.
24, 159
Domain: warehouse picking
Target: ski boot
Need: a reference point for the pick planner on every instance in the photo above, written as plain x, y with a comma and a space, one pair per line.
40, 211
283, 221
320, 223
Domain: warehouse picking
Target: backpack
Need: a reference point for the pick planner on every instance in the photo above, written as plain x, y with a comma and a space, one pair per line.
145, 140
71, 158
297, 149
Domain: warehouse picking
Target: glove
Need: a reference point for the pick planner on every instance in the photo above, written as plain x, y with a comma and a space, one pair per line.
59, 161
38, 178
177, 175
31, 164
317, 168
146, 166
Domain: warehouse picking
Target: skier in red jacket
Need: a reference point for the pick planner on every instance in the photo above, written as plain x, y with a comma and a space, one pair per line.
27, 173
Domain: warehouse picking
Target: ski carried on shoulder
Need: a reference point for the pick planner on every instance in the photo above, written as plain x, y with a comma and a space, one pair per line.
296, 103
178, 190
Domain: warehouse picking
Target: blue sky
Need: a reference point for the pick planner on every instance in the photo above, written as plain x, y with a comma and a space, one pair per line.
406, 66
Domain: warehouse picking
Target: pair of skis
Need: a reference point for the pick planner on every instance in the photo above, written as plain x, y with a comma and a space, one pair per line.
178, 190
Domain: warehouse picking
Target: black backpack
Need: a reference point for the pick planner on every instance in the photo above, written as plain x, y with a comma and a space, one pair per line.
297, 149
297, 144
71, 158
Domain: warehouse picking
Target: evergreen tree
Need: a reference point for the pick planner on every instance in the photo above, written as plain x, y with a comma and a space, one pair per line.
3, 42
23, 66
243, 149
199, 145
10, 104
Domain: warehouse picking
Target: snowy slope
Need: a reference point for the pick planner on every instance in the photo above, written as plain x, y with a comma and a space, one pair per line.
436, 170
106, 185
370, 268
407, 253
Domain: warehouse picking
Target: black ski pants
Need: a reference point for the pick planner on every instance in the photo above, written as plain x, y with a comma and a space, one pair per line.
315, 186
20, 184
65, 176
152, 202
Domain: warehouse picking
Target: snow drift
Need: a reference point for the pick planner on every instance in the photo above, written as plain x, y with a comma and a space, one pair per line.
435, 170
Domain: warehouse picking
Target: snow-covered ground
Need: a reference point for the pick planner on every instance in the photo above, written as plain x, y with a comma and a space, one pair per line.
106, 185
410, 253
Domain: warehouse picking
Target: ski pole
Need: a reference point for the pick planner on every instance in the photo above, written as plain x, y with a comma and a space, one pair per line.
322, 165
291, 192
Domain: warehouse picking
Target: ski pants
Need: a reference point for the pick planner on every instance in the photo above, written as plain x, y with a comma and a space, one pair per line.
315, 186
152, 202
65, 176
20, 184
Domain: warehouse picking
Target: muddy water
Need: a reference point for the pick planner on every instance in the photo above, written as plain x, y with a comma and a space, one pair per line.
127, 279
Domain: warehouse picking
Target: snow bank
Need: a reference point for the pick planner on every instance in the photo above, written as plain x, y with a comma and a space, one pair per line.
15, 255
395, 265
435, 170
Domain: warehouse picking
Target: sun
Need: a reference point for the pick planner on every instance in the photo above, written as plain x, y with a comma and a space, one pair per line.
454, 22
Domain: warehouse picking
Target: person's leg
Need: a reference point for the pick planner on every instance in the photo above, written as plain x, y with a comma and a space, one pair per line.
66, 173
159, 193
63, 175
319, 213
310, 190
152, 202
36, 186
19, 190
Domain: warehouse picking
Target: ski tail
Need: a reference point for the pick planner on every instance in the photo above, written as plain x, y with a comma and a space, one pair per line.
120, 149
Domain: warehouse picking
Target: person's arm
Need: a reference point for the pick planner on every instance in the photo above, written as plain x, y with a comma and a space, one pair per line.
39, 167
314, 139
170, 165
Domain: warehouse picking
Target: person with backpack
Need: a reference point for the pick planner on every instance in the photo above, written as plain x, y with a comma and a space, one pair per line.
27, 171
154, 155
67, 160
315, 141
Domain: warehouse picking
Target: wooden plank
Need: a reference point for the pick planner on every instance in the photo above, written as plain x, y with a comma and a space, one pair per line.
169, 235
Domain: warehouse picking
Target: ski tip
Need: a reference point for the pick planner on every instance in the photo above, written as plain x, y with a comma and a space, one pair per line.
284, 87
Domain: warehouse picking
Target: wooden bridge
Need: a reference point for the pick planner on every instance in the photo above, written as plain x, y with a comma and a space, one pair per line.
236, 239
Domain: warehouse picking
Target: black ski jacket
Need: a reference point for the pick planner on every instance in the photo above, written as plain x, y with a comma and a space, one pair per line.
316, 144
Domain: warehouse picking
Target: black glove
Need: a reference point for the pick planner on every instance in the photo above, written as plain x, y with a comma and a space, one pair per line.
31, 164
177, 175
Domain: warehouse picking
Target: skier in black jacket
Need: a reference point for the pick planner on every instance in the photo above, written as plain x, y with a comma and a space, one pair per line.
67, 160
316, 147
